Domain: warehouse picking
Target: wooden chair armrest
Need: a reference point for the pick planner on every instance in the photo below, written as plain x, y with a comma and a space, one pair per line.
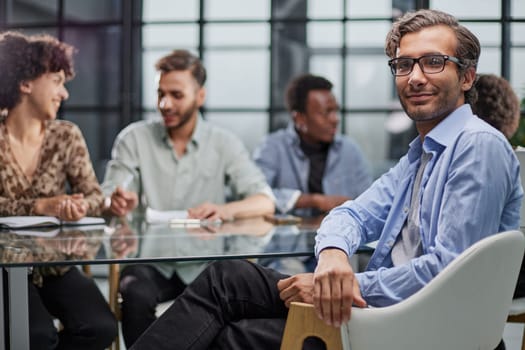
302, 322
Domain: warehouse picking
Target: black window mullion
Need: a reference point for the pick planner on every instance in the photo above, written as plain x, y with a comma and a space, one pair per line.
505, 38
345, 23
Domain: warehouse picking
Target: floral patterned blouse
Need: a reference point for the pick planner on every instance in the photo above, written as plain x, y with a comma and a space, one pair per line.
63, 159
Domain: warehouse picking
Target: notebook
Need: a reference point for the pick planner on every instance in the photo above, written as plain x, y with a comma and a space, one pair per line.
23, 222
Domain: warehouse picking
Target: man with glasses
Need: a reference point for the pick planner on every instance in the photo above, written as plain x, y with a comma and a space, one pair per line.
458, 183
429, 64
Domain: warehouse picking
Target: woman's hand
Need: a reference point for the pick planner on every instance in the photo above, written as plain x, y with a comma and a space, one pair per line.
65, 207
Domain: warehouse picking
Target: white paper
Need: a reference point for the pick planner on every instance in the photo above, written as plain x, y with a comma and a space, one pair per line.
164, 216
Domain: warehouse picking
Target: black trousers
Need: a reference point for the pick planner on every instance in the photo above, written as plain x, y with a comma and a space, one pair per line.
231, 305
142, 288
76, 301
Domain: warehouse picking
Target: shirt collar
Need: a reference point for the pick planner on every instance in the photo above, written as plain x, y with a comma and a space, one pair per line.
197, 137
449, 128
443, 134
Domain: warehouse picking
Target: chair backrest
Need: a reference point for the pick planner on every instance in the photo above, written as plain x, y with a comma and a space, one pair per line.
463, 307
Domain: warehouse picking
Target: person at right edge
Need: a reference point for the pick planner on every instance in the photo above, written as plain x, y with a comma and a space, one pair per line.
498, 105
458, 183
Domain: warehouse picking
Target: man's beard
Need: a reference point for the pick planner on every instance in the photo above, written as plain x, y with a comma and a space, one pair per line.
185, 117
437, 110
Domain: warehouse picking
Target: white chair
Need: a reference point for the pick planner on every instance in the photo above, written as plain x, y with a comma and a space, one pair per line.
463, 307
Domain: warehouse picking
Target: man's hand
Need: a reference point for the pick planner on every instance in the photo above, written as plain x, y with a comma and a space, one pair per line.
326, 202
323, 202
122, 202
298, 287
335, 288
210, 211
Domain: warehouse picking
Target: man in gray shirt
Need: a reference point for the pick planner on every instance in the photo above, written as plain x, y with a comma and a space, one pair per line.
177, 163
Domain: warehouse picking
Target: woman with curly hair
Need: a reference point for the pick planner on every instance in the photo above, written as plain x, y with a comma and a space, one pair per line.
497, 103
39, 155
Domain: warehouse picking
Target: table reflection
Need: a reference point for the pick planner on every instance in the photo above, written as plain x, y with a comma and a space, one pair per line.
60, 245
135, 240
140, 240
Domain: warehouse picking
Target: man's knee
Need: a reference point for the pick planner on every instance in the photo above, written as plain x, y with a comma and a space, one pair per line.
228, 268
137, 296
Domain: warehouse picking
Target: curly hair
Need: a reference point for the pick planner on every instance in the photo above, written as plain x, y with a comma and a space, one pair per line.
467, 50
497, 103
183, 60
299, 87
25, 58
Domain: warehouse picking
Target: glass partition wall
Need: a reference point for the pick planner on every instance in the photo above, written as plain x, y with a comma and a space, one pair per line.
251, 49
105, 94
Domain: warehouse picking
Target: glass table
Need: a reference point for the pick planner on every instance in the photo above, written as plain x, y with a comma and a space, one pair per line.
135, 241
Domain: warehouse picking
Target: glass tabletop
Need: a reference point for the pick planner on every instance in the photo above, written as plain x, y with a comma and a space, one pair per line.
123, 241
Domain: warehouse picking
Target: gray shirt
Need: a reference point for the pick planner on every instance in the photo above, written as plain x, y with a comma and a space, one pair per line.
408, 243
144, 161
216, 164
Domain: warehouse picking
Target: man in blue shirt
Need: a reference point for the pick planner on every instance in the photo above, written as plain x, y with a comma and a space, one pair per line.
458, 183
310, 167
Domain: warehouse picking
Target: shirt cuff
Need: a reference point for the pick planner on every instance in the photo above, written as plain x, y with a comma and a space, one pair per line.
107, 202
293, 199
267, 191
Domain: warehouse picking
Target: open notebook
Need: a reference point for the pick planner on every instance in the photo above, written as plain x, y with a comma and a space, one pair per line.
25, 222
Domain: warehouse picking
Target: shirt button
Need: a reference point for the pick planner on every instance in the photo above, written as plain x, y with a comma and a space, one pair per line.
405, 210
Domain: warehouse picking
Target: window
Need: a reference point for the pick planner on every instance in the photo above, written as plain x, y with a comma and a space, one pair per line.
103, 95
251, 52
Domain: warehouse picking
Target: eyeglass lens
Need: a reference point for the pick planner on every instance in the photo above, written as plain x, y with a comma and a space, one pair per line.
428, 64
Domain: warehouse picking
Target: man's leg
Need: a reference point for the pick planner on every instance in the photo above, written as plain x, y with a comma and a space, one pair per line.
227, 291
142, 287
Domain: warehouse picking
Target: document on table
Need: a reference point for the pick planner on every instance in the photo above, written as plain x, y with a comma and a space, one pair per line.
23, 222
176, 218
164, 216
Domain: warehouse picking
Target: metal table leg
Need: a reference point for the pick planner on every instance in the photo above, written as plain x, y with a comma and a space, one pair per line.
3, 329
18, 308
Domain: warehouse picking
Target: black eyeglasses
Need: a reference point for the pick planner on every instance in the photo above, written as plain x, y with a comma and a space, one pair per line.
429, 64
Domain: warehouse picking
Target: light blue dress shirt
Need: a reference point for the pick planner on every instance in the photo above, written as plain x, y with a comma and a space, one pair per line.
470, 189
286, 168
